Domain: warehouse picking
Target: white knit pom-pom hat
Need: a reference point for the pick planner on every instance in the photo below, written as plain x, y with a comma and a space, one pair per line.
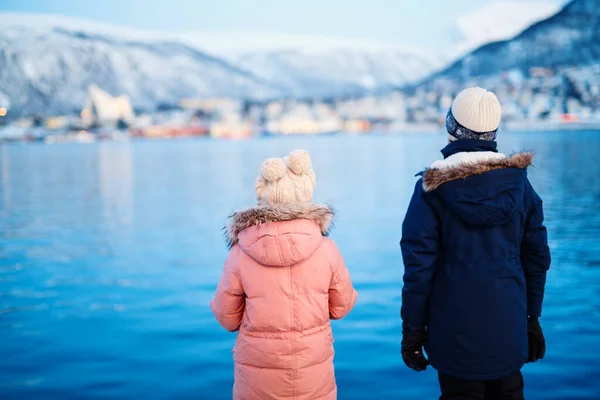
476, 109
286, 181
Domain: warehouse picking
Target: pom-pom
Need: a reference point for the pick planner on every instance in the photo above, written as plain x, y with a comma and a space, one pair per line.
299, 162
273, 169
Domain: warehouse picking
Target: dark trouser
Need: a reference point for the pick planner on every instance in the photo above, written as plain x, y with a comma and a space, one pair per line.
509, 388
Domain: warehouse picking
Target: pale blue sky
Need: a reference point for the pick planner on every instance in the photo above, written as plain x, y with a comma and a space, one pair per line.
396, 21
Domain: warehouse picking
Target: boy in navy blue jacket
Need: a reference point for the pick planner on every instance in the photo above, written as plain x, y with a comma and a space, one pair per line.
475, 256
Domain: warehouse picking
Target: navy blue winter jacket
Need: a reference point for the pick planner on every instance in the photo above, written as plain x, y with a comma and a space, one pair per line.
475, 257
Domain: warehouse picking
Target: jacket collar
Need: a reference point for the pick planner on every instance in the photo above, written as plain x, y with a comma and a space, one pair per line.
469, 146
462, 165
322, 215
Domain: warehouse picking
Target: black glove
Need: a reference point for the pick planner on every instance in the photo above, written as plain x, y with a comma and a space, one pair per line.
537, 343
413, 340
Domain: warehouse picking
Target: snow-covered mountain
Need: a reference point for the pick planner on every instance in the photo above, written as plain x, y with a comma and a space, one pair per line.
495, 21
339, 70
314, 65
311, 65
48, 63
570, 37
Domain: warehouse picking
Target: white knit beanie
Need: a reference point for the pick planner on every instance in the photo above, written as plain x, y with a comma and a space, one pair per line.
286, 181
477, 109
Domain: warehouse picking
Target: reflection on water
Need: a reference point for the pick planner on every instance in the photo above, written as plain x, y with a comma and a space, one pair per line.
115, 178
111, 252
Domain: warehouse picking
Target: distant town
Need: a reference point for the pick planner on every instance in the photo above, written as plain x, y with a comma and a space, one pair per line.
541, 98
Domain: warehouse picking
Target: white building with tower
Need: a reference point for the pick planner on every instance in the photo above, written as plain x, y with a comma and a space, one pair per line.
102, 108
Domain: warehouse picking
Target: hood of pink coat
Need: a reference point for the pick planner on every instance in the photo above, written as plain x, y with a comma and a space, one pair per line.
280, 236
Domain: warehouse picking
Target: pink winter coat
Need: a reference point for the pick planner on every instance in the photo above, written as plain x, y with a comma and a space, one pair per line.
282, 283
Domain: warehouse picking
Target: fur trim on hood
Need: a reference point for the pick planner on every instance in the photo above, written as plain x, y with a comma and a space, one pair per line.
463, 165
322, 215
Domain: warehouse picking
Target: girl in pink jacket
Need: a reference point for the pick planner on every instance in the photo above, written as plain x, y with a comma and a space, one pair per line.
282, 283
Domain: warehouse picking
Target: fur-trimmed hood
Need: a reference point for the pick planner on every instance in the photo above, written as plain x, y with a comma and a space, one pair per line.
322, 215
481, 200
466, 164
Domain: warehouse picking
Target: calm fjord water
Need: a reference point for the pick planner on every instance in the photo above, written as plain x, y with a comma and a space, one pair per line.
110, 253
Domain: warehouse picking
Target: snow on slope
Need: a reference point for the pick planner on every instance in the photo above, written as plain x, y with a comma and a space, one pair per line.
239, 42
47, 61
47, 64
316, 65
338, 70
569, 38
313, 64
496, 21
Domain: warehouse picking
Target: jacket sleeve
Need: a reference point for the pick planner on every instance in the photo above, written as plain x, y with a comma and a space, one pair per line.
535, 253
420, 251
230, 301
342, 295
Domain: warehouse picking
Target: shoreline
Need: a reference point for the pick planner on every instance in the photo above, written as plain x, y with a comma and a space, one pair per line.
49, 137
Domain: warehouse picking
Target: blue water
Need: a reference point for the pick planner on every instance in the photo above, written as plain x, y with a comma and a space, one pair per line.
110, 253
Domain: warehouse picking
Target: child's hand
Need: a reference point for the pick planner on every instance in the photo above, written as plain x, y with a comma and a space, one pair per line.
537, 343
413, 341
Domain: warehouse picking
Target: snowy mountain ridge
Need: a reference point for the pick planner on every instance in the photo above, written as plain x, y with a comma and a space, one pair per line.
47, 62
570, 37
47, 65
497, 21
